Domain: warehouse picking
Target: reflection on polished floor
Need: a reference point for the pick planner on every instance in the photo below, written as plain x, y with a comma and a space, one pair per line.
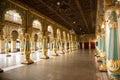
77, 65
16, 58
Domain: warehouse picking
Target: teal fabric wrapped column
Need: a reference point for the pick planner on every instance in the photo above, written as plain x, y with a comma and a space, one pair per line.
98, 43
99, 59
103, 66
101, 44
55, 47
45, 48
99, 47
27, 50
113, 58
7, 48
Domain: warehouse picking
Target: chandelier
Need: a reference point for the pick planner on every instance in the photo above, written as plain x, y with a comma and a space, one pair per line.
72, 31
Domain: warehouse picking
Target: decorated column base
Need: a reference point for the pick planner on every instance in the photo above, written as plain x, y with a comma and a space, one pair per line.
61, 51
113, 76
114, 69
22, 53
99, 59
27, 60
97, 52
8, 55
103, 68
45, 56
55, 52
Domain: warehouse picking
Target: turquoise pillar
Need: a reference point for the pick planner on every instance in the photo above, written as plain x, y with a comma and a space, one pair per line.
45, 48
99, 47
27, 50
55, 47
113, 58
103, 67
7, 48
62, 47
100, 44
65, 46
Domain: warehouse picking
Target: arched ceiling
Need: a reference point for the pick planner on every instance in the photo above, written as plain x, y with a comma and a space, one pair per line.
79, 15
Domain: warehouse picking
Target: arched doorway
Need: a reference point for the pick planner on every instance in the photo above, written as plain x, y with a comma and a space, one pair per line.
36, 36
13, 23
15, 43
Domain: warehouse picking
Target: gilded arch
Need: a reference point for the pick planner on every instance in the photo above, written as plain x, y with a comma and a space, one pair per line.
58, 34
17, 11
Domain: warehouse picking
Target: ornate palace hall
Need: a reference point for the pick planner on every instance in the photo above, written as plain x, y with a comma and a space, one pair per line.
59, 39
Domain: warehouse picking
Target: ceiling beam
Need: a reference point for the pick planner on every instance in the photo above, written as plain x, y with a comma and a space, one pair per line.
56, 13
82, 14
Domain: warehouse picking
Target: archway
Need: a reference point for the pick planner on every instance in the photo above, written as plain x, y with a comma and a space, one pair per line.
36, 35
15, 43
13, 23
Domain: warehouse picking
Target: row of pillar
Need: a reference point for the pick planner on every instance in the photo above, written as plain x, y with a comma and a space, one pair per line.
27, 48
111, 58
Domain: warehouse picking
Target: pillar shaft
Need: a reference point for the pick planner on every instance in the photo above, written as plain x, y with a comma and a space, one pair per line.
45, 48
113, 58
55, 47
7, 48
65, 46
27, 50
2, 46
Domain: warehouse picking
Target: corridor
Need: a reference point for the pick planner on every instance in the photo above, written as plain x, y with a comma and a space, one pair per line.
77, 65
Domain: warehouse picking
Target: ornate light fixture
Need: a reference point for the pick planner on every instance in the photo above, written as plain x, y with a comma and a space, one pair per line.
72, 31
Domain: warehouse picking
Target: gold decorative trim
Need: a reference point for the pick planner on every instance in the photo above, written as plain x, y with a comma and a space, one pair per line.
114, 66
103, 54
113, 25
17, 4
27, 52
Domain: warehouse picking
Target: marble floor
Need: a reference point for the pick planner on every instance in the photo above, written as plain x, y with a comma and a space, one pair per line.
16, 58
76, 65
